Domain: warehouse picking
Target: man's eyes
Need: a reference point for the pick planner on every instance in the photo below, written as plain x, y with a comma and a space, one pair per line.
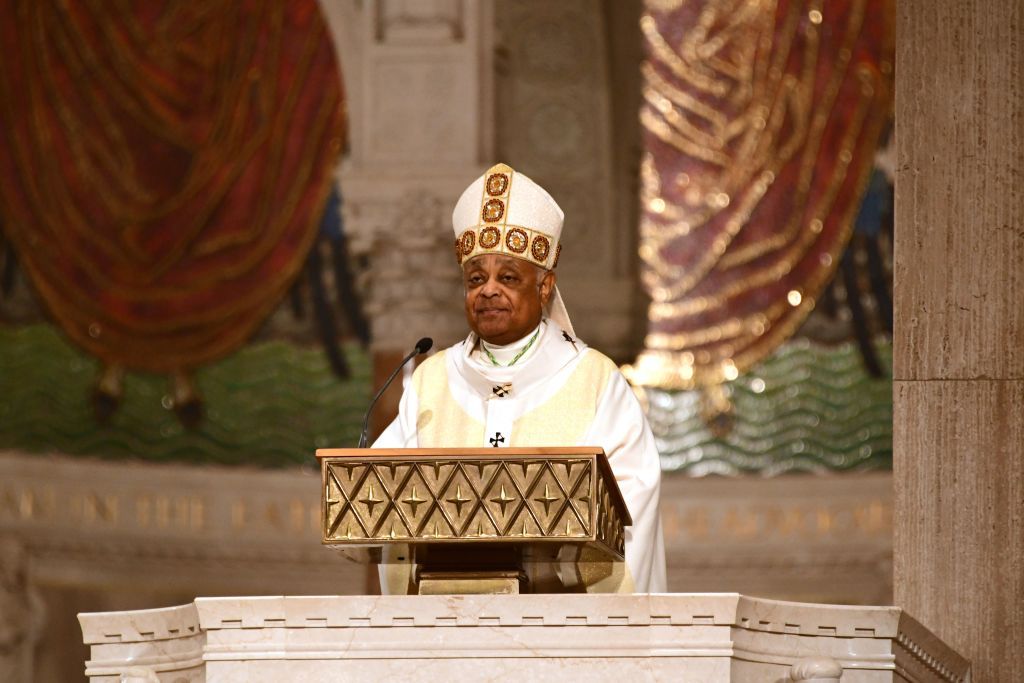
480, 279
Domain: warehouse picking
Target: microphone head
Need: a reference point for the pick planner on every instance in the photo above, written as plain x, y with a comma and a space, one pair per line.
423, 345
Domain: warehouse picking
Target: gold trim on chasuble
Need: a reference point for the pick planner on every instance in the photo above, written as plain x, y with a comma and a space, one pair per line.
494, 235
566, 417
440, 420
562, 420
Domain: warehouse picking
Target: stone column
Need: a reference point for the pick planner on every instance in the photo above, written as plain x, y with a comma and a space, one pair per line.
419, 82
959, 339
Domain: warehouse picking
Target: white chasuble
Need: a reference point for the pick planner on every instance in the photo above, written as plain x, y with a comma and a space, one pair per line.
560, 393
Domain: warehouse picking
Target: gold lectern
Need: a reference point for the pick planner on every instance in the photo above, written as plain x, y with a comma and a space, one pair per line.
475, 520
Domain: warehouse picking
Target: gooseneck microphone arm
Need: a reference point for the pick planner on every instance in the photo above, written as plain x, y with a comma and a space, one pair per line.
422, 346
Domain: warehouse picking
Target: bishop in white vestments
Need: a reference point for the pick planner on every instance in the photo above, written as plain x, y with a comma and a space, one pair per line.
522, 377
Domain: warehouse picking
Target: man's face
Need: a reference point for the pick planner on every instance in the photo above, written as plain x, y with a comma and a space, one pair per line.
505, 296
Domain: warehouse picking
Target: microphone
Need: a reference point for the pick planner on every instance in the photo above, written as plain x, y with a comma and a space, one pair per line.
422, 346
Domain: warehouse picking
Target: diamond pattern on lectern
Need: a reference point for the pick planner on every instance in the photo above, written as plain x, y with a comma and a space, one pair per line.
608, 526
524, 525
481, 526
348, 475
546, 499
503, 499
480, 473
524, 472
393, 474
370, 500
435, 474
343, 521
414, 498
336, 504
392, 526
436, 525
458, 500
579, 498
489, 498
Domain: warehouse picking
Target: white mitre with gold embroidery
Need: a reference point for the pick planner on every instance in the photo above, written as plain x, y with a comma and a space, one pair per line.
504, 212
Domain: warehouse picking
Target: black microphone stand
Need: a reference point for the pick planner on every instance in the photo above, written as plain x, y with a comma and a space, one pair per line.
422, 346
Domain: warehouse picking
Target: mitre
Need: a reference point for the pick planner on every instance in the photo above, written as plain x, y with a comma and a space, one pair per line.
504, 212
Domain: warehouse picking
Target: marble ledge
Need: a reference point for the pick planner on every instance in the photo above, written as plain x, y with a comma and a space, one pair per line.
137, 626
695, 609
729, 609
704, 633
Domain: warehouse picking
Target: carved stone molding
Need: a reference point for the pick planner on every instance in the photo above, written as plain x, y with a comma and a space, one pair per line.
721, 637
803, 537
420, 88
107, 524
413, 284
922, 657
816, 670
107, 521
21, 612
411, 22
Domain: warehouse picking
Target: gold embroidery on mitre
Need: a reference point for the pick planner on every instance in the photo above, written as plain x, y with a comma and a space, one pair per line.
540, 249
494, 235
490, 237
497, 184
516, 240
493, 211
468, 242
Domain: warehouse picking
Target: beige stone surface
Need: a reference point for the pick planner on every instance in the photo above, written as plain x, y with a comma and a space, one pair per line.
683, 637
959, 268
959, 345
959, 537
824, 538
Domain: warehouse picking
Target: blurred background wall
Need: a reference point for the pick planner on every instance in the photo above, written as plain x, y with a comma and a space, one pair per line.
199, 284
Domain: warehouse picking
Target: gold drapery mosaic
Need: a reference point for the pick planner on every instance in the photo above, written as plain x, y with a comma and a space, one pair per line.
163, 166
761, 119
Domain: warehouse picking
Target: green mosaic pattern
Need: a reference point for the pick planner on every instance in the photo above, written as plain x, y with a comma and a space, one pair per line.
807, 408
270, 404
273, 404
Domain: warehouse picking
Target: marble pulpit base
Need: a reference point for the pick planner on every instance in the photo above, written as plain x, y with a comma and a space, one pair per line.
677, 637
